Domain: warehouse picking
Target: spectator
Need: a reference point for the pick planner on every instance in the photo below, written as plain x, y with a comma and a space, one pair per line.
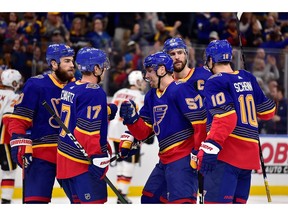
254, 34
30, 27
260, 53
278, 124
224, 18
266, 71
19, 57
232, 35
124, 23
280, 118
57, 37
99, 38
245, 22
117, 74
274, 40
213, 36
272, 85
77, 34
13, 17
143, 32
133, 56
11, 32
54, 22
38, 63
269, 26
7, 50
258, 67
164, 32
3, 27
282, 64
205, 23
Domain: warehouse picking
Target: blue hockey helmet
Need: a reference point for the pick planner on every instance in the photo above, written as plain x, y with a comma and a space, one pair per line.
157, 59
219, 51
88, 57
174, 43
57, 51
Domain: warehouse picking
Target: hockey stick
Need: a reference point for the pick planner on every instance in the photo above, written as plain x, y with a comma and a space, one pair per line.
71, 136
239, 14
200, 177
201, 188
23, 180
264, 173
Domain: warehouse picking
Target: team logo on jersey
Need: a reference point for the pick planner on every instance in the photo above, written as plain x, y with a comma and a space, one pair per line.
87, 196
158, 113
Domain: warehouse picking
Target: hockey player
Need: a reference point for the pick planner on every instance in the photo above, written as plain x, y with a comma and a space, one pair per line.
230, 152
125, 166
177, 49
39, 149
171, 110
84, 111
10, 79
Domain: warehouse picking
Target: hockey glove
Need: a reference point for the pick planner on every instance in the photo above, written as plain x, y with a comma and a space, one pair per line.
128, 145
21, 150
99, 165
207, 156
128, 112
112, 110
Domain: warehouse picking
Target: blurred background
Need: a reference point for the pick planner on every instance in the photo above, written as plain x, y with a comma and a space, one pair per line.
128, 37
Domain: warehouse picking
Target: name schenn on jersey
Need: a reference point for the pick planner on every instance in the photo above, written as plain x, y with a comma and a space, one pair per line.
243, 86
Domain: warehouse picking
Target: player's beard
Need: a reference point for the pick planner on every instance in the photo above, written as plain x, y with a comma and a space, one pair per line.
180, 68
64, 76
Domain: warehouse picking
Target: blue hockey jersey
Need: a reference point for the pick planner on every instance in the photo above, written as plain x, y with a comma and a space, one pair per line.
29, 113
178, 119
84, 112
197, 78
230, 93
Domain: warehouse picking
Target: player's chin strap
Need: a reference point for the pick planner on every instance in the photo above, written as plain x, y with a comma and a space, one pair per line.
159, 80
78, 145
99, 76
211, 69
